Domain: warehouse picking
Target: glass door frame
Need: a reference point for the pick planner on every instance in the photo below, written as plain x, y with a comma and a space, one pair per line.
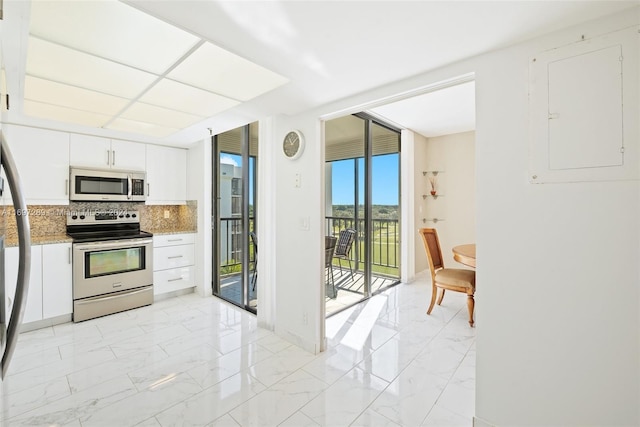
369, 122
246, 220
366, 254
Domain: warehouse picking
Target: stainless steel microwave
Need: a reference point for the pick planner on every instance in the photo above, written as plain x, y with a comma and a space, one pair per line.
106, 185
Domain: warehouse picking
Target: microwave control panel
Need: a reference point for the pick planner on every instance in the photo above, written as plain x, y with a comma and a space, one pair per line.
137, 187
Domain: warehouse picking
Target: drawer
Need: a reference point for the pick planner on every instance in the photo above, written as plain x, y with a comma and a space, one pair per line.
173, 280
173, 256
173, 239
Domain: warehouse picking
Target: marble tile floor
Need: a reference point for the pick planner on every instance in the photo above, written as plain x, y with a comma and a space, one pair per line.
201, 361
231, 289
350, 288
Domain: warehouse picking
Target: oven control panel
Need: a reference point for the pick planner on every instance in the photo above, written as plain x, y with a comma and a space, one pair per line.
110, 216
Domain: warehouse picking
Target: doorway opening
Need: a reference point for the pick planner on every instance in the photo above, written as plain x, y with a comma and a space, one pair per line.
362, 211
234, 206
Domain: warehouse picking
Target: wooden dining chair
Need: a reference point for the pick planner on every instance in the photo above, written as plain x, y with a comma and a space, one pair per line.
452, 279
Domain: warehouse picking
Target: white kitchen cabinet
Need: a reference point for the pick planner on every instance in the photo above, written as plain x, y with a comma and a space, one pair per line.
33, 309
105, 153
128, 155
89, 151
57, 293
42, 159
173, 239
166, 175
173, 263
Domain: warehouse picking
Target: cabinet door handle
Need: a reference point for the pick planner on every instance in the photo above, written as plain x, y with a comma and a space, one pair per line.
148, 190
66, 187
70, 256
113, 157
108, 157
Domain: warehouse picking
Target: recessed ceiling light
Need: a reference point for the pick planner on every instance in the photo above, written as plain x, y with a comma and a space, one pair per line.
112, 30
217, 70
159, 116
63, 114
46, 91
181, 97
54, 62
140, 127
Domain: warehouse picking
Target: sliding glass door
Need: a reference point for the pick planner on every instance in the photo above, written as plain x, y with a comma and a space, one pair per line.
362, 171
235, 246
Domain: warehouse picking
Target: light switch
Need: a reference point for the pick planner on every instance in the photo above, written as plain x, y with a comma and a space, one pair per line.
304, 223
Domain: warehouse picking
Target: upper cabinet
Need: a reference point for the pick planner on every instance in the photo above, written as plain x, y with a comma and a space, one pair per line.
42, 160
166, 175
105, 153
128, 155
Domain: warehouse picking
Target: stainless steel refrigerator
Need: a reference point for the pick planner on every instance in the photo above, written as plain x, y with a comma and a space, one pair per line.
10, 325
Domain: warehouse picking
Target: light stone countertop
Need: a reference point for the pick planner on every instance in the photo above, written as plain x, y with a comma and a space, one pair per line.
170, 231
41, 240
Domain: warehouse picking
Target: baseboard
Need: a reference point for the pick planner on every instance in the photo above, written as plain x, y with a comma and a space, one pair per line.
298, 341
478, 422
173, 294
40, 324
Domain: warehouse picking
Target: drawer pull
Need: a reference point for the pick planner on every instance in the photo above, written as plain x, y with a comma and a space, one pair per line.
174, 257
174, 280
174, 240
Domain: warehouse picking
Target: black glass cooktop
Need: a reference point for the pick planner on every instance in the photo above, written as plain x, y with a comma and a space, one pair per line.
99, 233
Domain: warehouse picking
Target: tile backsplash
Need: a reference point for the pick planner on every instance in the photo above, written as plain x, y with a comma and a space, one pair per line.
51, 220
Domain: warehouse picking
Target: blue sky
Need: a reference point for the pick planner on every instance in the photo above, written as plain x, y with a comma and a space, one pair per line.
385, 179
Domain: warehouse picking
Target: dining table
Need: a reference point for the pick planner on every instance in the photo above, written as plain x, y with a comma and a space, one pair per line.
465, 254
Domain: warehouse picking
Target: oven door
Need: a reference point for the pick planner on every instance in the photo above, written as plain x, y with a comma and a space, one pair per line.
111, 266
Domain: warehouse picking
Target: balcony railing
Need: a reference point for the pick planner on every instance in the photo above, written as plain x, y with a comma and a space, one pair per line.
231, 245
385, 242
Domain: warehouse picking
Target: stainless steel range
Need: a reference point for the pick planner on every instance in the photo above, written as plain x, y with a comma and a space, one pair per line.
112, 262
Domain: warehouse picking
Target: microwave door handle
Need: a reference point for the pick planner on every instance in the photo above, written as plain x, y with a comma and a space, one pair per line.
129, 184
24, 263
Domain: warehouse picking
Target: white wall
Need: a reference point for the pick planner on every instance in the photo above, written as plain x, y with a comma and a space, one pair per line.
454, 155
408, 154
420, 205
558, 330
558, 302
299, 290
199, 189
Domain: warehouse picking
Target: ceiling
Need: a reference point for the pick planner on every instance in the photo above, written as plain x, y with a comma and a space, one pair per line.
293, 56
441, 112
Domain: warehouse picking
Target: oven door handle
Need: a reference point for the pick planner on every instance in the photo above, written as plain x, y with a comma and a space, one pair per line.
129, 183
124, 243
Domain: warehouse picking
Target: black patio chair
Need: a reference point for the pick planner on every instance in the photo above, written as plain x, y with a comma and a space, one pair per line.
343, 247
254, 243
329, 249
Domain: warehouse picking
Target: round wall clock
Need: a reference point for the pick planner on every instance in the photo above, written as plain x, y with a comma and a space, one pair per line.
293, 144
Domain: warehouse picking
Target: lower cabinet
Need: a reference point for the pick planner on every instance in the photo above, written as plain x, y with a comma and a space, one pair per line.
173, 262
57, 290
33, 309
50, 292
